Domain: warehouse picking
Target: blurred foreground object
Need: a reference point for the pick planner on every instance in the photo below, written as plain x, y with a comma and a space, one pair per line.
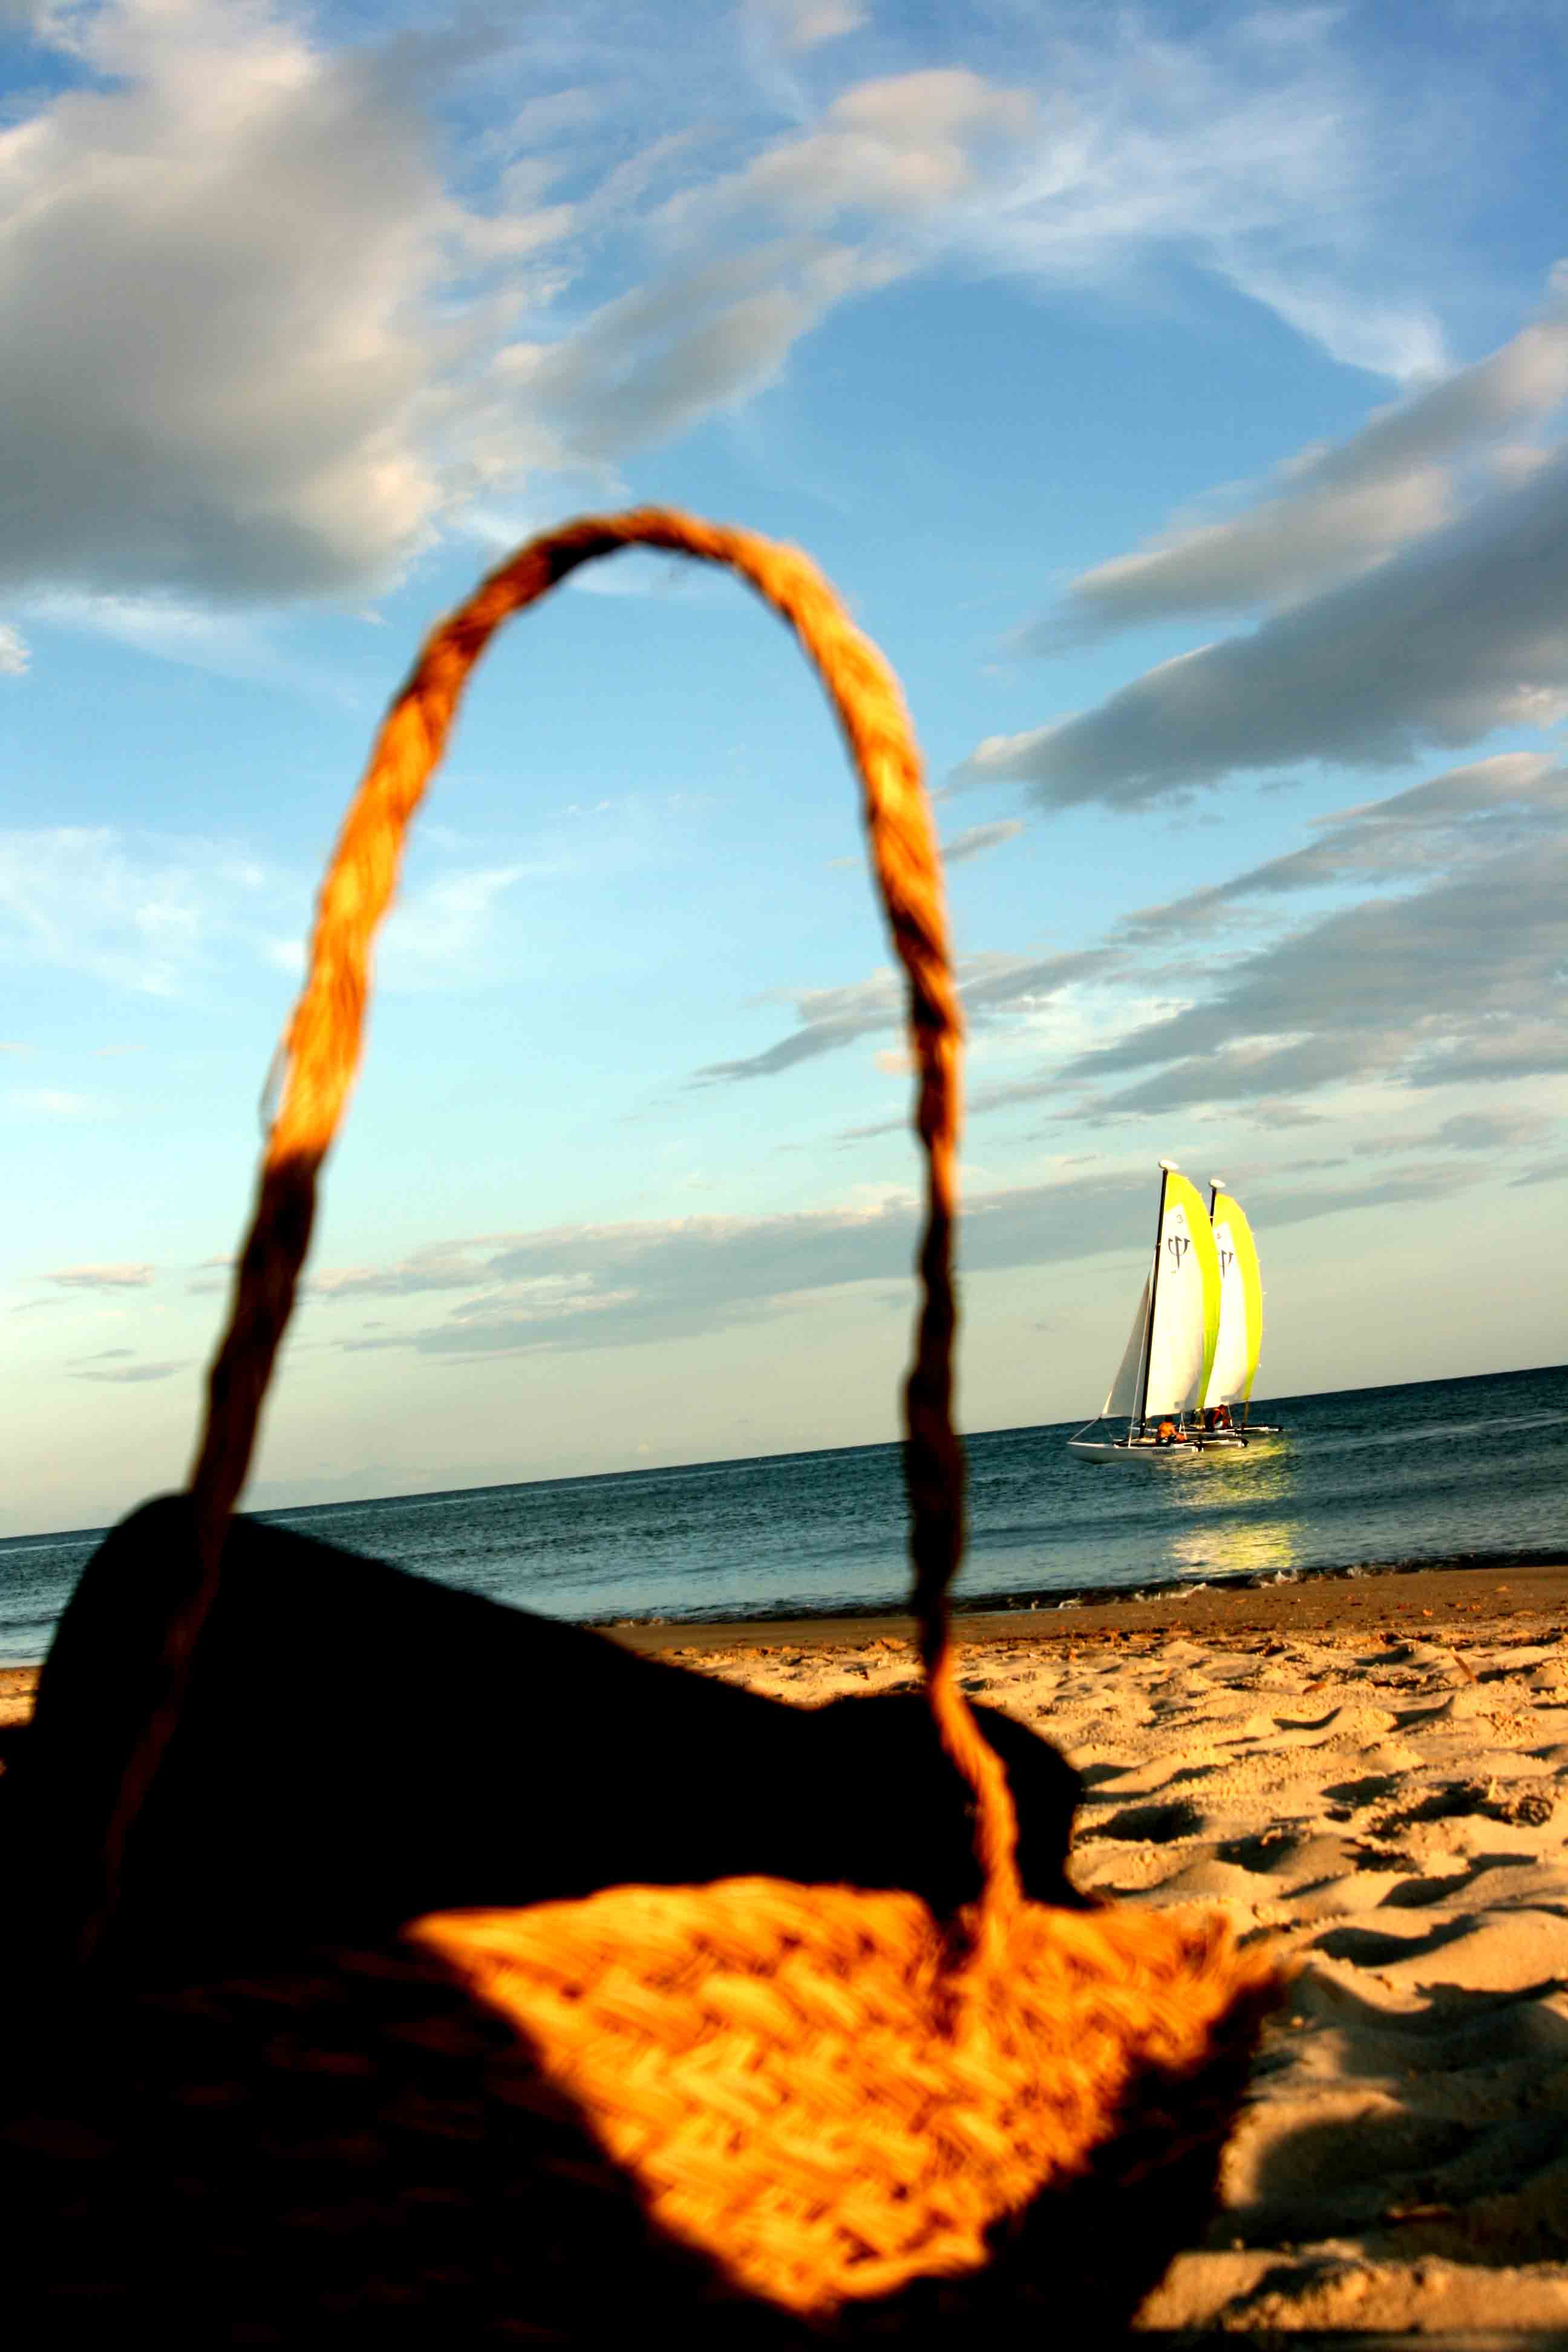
756, 2109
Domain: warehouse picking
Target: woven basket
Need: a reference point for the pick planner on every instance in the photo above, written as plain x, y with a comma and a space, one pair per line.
753, 2111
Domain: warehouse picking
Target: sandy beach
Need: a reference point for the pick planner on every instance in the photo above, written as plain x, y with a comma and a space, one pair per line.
1373, 1772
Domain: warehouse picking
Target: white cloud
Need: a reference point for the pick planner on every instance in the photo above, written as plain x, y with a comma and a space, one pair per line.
1261, 160
156, 914
660, 1280
1546, 1171
885, 148
266, 328
978, 838
51, 1102
142, 912
1515, 801
230, 644
101, 1277
1526, 378
1416, 943
1493, 1132
1463, 632
132, 1372
1275, 553
800, 25
218, 252
830, 1018
1401, 340
1454, 974
654, 1281
15, 654
654, 361
827, 1019
1335, 511
439, 933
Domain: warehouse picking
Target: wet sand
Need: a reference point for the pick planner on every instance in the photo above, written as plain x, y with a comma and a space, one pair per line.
1321, 1604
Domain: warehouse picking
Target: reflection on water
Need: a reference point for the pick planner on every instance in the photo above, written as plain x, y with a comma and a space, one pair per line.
1379, 1476
1237, 1515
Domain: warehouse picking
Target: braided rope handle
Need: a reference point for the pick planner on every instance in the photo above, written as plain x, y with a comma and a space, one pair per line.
324, 1041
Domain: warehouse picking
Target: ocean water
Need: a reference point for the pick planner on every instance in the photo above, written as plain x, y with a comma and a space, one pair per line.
1472, 1470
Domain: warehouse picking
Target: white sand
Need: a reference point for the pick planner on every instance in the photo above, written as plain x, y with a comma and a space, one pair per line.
1393, 1811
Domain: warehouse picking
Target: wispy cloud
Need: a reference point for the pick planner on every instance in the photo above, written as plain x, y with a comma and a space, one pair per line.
130, 1372
271, 325
829, 1019
441, 933
1546, 1171
1514, 801
1254, 148
50, 1102
1454, 974
609, 1285
101, 1277
139, 911
15, 654
801, 25
227, 643
1458, 634
157, 914
1275, 553
1333, 510
978, 838
1416, 940
1473, 1130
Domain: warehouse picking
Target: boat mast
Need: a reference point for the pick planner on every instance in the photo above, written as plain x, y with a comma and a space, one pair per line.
1216, 1186
1165, 1167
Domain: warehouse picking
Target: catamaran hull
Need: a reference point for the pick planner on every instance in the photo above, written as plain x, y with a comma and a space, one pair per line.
1117, 1450
1211, 1449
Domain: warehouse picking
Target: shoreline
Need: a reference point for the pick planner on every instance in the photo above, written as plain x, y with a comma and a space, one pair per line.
1449, 1592
1337, 1601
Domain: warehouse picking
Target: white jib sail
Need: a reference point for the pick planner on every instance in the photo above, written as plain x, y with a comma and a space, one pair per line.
1123, 1397
1180, 1342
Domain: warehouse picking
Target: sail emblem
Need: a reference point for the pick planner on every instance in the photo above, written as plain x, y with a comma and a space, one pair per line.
1178, 1244
1226, 1260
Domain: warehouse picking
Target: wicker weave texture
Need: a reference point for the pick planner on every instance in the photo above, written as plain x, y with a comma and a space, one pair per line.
805, 2089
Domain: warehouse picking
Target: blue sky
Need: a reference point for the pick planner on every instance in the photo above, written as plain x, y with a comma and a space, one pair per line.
1177, 394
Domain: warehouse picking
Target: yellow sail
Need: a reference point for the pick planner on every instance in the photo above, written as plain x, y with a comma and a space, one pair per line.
1240, 1343
1185, 1322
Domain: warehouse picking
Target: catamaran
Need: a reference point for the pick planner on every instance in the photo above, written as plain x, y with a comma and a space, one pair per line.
1192, 1353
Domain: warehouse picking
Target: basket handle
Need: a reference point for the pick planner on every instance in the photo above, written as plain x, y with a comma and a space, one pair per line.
323, 1046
